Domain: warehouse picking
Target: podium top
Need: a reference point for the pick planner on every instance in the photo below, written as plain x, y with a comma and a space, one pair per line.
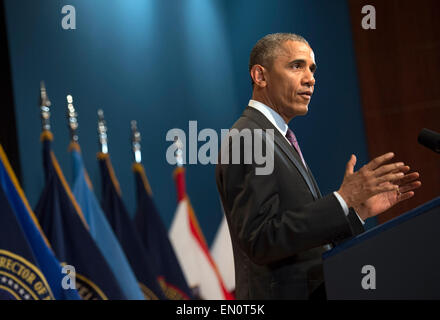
424, 208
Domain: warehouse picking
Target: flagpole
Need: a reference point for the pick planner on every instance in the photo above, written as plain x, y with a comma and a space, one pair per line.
102, 132
136, 142
179, 152
72, 119
44, 108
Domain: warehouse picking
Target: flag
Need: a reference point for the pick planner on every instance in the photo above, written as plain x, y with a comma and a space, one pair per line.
221, 251
100, 229
19, 272
155, 238
140, 259
192, 251
22, 239
63, 223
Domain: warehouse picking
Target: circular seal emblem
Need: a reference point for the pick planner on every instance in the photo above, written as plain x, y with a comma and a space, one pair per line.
88, 290
85, 287
171, 291
148, 294
21, 280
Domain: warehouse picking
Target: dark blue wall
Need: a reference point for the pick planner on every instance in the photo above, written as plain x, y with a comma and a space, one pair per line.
164, 63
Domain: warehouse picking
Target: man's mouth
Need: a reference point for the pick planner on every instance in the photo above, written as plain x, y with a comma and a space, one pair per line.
306, 94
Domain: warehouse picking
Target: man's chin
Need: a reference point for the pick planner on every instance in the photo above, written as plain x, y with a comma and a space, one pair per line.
303, 110
299, 109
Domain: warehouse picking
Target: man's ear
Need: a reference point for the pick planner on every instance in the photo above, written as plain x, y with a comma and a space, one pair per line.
258, 75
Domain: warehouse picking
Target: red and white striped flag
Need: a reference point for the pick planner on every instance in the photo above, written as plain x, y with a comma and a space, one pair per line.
221, 251
191, 249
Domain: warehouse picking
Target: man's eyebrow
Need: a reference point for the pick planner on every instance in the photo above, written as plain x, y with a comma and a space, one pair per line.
313, 67
301, 61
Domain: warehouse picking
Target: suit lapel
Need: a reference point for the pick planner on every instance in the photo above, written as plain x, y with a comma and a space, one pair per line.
282, 143
290, 152
312, 177
314, 183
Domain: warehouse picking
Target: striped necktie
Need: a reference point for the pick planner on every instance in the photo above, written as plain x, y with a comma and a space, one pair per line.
292, 139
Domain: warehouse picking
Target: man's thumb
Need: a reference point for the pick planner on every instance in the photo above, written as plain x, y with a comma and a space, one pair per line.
350, 165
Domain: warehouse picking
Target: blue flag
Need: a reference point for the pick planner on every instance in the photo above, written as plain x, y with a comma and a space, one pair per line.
63, 223
23, 242
19, 272
140, 260
101, 230
155, 237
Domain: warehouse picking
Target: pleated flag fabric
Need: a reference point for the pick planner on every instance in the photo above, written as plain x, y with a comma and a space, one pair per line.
221, 251
64, 224
100, 229
192, 251
155, 237
23, 230
141, 261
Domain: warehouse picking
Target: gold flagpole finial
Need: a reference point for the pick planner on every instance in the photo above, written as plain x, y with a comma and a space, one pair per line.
136, 142
102, 132
72, 119
44, 108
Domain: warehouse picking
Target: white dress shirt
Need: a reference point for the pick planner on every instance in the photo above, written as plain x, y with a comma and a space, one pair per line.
282, 127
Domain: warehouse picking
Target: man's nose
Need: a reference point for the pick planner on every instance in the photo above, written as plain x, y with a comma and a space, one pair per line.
309, 79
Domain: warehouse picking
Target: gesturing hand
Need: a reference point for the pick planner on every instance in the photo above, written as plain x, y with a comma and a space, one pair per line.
385, 200
370, 190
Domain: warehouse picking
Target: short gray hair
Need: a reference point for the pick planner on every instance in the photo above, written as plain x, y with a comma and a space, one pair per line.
264, 50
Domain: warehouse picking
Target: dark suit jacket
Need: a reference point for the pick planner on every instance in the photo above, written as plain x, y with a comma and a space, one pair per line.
279, 223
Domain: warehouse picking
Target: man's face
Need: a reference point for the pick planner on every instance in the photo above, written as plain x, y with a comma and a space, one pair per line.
290, 80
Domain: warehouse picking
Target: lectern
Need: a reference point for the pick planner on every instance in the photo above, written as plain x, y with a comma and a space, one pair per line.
399, 259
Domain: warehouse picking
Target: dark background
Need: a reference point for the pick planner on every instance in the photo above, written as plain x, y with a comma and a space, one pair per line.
167, 62
398, 67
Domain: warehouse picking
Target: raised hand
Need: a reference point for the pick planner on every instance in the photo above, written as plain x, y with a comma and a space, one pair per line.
385, 200
375, 178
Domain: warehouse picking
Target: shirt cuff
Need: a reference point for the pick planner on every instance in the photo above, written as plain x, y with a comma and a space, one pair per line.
344, 206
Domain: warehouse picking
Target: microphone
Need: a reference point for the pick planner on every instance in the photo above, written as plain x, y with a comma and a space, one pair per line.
429, 139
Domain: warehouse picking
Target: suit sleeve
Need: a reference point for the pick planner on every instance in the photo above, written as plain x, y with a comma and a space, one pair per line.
267, 234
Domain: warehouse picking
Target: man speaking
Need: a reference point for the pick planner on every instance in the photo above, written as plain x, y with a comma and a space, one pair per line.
280, 224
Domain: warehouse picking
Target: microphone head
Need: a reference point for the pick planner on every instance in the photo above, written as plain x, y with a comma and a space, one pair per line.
429, 139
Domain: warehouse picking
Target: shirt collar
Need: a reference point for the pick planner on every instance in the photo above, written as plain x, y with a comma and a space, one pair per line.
271, 115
